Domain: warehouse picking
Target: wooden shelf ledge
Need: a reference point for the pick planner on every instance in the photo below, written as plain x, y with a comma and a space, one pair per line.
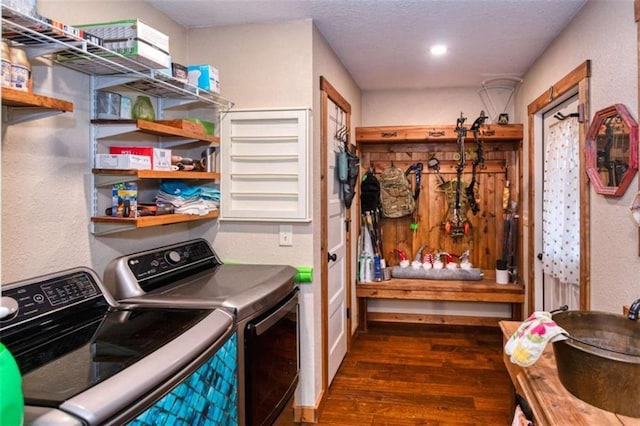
106, 224
445, 133
23, 106
483, 291
111, 176
159, 129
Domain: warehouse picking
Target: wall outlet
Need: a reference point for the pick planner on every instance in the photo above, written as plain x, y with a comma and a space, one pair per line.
286, 235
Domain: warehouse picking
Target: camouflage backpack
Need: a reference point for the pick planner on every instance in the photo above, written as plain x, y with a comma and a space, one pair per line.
396, 196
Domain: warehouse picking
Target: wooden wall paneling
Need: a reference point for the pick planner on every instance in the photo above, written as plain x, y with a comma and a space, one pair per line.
485, 237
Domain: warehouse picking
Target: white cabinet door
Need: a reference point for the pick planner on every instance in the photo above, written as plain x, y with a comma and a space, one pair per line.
264, 165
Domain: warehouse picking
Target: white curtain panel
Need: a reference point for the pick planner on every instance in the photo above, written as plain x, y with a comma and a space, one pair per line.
561, 203
557, 294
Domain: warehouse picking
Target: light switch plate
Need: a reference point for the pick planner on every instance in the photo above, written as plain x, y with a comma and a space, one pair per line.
286, 235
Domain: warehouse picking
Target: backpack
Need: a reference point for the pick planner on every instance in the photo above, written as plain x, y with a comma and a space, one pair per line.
369, 193
396, 196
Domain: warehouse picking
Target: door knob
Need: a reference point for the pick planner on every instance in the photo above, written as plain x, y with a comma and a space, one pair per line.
332, 257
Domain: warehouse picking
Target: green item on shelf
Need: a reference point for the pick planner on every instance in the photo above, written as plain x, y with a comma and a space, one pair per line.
143, 109
208, 126
11, 399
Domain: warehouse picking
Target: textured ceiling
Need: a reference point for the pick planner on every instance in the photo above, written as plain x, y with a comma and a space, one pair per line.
385, 43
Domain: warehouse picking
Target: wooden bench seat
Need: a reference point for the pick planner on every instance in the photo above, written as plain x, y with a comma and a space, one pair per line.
485, 291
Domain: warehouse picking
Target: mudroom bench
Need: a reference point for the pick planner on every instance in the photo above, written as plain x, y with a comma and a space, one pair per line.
485, 291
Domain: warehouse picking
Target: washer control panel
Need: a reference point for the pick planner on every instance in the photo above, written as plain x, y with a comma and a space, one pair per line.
27, 300
169, 259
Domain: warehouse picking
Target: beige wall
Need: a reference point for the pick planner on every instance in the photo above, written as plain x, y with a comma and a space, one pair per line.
605, 33
415, 107
261, 66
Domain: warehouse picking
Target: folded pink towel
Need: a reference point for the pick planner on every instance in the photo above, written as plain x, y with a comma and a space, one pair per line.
530, 339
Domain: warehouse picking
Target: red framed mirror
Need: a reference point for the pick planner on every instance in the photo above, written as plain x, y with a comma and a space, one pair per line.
612, 150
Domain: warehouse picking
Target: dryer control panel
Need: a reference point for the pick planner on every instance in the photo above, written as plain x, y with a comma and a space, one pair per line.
175, 258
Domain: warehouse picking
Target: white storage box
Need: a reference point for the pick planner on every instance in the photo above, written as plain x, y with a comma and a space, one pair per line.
123, 161
27, 7
160, 158
134, 39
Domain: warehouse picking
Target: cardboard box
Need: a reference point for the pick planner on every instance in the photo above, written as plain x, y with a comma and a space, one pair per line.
160, 158
134, 39
124, 200
27, 7
179, 72
206, 77
123, 162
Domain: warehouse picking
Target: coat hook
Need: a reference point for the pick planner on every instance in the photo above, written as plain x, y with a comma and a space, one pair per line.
550, 93
562, 117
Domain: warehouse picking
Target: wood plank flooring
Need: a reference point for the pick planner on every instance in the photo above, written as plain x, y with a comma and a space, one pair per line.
416, 374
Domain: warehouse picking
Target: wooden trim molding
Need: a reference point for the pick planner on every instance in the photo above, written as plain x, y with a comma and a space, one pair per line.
578, 79
562, 87
306, 414
434, 319
328, 92
334, 95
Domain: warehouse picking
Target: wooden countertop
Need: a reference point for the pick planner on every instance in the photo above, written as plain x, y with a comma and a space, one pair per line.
550, 402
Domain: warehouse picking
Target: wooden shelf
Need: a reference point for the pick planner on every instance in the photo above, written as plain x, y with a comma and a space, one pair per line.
106, 224
483, 291
24, 106
159, 129
111, 176
444, 133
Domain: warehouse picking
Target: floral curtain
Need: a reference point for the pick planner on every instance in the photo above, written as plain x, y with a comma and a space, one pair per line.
561, 203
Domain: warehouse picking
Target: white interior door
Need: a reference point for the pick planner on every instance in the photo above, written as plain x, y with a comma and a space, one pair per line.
336, 244
556, 291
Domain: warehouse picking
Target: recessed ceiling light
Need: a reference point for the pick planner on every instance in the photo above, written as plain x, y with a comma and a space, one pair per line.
438, 49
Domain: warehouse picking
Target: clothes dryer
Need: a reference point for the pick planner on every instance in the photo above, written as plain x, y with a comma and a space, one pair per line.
262, 298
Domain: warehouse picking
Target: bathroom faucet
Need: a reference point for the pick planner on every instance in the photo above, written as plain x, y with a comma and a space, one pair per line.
634, 310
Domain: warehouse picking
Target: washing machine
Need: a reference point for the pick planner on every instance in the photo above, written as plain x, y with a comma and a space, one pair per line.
262, 298
85, 360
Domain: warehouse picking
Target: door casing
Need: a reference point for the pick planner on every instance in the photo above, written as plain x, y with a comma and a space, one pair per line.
578, 78
329, 92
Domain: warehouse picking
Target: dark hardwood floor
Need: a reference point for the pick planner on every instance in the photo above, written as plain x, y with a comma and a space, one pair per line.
415, 374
